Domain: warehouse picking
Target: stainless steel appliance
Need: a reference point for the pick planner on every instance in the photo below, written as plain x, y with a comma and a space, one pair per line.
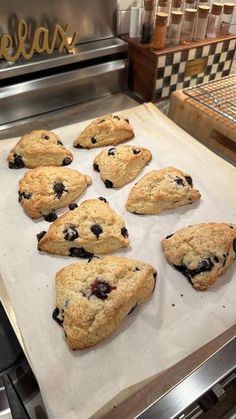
98, 66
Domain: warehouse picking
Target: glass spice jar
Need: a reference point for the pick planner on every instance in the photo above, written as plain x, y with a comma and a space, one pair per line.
175, 28
188, 26
226, 18
204, 3
190, 4
201, 23
149, 16
213, 20
159, 35
176, 5
163, 6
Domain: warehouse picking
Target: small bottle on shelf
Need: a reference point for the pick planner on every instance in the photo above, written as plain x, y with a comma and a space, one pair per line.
226, 18
163, 6
175, 28
213, 20
148, 21
176, 6
159, 35
190, 4
204, 3
135, 20
201, 23
188, 26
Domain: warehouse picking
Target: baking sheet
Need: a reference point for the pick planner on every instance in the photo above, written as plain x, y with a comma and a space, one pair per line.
176, 321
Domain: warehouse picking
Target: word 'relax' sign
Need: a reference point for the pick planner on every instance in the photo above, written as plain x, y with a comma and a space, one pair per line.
42, 41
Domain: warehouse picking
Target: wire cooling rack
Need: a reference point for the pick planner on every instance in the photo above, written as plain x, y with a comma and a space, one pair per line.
218, 95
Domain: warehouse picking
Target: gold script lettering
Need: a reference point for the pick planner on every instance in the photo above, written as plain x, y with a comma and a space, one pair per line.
40, 42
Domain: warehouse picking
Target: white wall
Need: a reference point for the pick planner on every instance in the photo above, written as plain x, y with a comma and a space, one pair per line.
123, 15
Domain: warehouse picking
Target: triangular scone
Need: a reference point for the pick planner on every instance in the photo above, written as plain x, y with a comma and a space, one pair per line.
39, 148
160, 190
107, 130
120, 165
202, 252
91, 228
45, 189
92, 299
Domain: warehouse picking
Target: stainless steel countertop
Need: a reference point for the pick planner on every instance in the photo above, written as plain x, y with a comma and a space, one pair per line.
70, 115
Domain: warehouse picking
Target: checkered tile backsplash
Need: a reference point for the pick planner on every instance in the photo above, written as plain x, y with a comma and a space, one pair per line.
171, 67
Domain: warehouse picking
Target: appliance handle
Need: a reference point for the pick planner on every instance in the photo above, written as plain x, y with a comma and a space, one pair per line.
17, 407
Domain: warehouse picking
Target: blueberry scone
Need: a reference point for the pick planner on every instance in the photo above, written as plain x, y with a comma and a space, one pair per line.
107, 130
201, 252
39, 148
45, 189
92, 299
161, 190
120, 165
91, 228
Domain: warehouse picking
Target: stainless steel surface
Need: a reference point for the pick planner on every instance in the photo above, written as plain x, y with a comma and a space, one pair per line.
66, 116
88, 51
231, 414
61, 90
218, 95
193, 387
92, 19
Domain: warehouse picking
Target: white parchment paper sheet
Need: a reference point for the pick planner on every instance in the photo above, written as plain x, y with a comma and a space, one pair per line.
156, 335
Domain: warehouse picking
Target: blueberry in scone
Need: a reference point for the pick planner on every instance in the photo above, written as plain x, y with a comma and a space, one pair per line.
39, 148
45, 189
92, 228
201, 252
93, 299
120, 165
160, 190
107, 130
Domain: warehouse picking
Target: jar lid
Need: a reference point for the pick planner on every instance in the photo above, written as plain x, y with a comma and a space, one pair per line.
162, 3
189, 14
176, 3
228, 8
216, 8
176, 17
203, 11
161, 19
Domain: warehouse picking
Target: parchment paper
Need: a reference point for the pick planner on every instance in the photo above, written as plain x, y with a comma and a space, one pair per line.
176, 321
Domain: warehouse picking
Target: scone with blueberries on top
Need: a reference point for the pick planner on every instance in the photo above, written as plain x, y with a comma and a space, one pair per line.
39, 148
160, 190
92, 228
201, 252
93, 299
106, 130
120, 165
45, 189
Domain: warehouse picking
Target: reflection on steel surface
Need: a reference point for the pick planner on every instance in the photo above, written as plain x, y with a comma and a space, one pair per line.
204, 378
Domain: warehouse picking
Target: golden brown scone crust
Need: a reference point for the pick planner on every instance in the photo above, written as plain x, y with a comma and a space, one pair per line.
45, 189
39, 148
106, 130
93, 227
160, 190
120, 165
202, 252
93, 298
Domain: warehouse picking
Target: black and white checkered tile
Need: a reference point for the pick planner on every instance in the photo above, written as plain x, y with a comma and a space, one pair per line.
171, 67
